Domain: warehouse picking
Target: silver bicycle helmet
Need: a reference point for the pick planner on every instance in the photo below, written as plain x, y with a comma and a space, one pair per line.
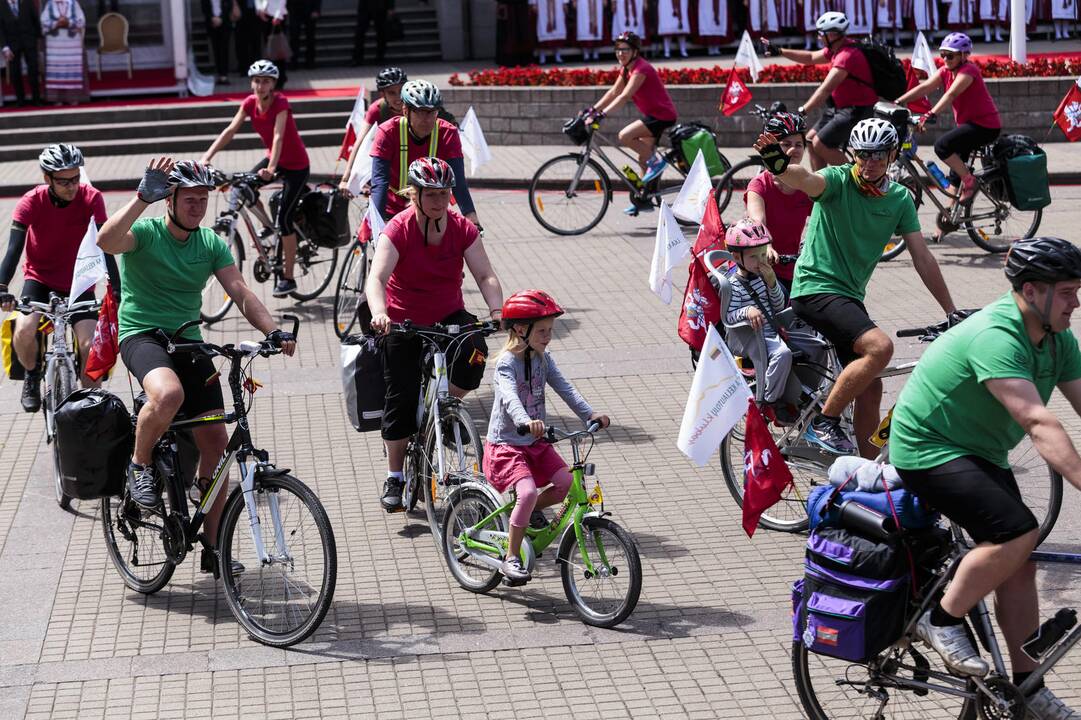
431, 172
191, 174
873, 134
832, 22
60, 157
390, 76
263, 68
421, 95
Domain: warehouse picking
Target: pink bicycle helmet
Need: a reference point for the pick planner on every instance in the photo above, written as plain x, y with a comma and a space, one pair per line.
747, 234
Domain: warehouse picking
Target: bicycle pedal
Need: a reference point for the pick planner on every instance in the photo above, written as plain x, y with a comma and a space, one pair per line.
514, 583
393, 511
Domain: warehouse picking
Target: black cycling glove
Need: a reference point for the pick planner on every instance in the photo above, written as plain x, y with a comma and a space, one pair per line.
154, 186
770, 50
775, 158
277, 337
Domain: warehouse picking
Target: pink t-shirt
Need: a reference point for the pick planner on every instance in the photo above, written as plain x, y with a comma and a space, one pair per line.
426, 284
785, 217
856, 89
387, 145
652, 98
294, 156
375, 111
53, 233
974, 105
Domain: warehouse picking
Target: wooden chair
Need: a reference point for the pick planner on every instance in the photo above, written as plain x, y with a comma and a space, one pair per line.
113, 38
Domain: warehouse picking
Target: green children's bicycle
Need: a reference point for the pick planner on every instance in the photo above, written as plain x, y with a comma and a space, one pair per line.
598, 559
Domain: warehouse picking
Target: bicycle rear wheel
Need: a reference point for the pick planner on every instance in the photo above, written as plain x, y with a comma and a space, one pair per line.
564, 211
1040, 485
136, 550
281, 602
314, 268
216, 302
350, 290
462, 455
465, 509
61, 383
830, 688
729, 189
1002, 224
607, 596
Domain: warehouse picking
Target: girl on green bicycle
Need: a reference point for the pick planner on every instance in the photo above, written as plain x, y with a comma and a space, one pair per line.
520, 461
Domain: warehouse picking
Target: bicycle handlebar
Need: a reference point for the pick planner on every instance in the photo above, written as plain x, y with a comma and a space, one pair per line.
487, 327
553, 434
247, 348
56, 307
786, 259
930, 332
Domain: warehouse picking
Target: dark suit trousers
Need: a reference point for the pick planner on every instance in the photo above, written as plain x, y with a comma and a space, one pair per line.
370, 16
31, 57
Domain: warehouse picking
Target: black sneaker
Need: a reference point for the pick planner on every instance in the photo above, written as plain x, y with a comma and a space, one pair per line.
31, 397
537, 520
830, 436
392, 494
208, 563
144, 487
283, 287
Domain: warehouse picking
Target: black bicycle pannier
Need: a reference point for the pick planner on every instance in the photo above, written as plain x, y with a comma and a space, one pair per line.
326, 217
1023, 163
95, 438
363, 385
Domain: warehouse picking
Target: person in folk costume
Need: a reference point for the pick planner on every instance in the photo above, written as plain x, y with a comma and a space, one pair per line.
589, 27
789, 15
673, 19
812, 10
996, 14
64, 26
628, 16
762, 17
1063, 14
889, 15
551, 16
513, 33
924, 14
961, 14
713, 24
861, 16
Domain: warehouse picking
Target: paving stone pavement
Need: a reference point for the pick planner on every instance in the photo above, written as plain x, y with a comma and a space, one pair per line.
710, 636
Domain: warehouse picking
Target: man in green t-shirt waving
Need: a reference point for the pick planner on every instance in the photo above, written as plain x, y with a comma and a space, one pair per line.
972, 397
165, 264
857, 209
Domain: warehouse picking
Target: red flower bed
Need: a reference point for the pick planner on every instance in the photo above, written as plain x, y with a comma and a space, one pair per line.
534, 76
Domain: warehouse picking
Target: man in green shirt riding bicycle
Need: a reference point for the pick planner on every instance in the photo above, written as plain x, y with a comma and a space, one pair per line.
972, 397
857, 209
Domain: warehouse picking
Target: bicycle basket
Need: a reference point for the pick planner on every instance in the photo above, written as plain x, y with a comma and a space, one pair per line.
577, 130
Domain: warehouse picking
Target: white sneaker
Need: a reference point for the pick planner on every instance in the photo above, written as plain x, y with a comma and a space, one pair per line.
954, 645
1043, 705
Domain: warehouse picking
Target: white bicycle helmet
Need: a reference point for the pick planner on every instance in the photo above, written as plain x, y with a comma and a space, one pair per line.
263, 68
873, 134
421, 95
60, 157
832, 22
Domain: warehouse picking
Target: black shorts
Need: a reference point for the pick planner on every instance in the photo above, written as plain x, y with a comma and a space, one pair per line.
402, 357
294, 184
39, 292
656, 127
978, 495
962, 141
835, 125
840, 319
198, 377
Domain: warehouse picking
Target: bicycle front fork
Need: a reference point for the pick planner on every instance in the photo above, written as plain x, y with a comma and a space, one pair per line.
248, 471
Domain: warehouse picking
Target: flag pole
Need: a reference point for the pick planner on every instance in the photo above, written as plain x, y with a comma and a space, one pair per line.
1018, 41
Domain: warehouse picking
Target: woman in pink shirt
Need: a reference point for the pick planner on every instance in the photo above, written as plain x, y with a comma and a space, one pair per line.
286, 157
974, 111
639, 82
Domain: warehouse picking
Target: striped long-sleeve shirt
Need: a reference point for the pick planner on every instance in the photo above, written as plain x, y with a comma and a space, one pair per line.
741, 301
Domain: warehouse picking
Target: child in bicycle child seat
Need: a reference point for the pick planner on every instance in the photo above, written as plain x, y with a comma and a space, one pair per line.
525, 462
757, 297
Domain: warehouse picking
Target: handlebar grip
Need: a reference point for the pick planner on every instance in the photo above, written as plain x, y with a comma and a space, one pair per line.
522, 429
911, 332
593, 426
296, 324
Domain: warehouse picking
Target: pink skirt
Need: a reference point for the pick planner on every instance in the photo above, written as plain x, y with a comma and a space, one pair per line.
504, 465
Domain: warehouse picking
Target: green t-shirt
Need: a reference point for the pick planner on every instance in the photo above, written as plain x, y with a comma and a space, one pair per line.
846, 233
162, 279
945, 411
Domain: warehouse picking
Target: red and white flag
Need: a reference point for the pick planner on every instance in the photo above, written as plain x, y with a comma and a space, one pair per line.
352, 126
736, 94
1068, 114
765, 473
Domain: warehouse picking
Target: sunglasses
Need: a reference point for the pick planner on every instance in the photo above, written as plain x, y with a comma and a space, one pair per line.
876, 155
947, 55
66, 182
624, 49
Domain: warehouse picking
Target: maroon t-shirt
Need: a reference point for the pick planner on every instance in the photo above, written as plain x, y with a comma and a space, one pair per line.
294, 155
54, 234
426, 284
387, 145
857, 89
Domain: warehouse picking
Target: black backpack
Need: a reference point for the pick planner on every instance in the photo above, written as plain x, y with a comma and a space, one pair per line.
887, 74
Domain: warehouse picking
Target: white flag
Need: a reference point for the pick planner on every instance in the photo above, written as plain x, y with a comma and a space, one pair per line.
747, 57
690, 204
670, 249
89, 264
474, 146
375, 222
922, 59
717, 401
362, 167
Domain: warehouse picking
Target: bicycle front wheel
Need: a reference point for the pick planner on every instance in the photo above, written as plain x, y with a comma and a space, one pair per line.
314, 269
216, 302
133, 541
60, 386
462, 453
465, 509
607, 595
569, 194
829, 688
995, 225
733, 184
281, 601
350, 289
896, 244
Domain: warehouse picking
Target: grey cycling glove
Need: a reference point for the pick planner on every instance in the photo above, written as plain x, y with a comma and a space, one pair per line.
154, 186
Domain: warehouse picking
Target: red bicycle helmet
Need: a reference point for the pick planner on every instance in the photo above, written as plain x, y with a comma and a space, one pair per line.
528, 306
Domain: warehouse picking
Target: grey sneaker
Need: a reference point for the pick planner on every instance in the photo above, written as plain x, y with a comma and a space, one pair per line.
144, 487
830, 436
1043, 705
513, 570
284, 287
954, 645
392, 494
